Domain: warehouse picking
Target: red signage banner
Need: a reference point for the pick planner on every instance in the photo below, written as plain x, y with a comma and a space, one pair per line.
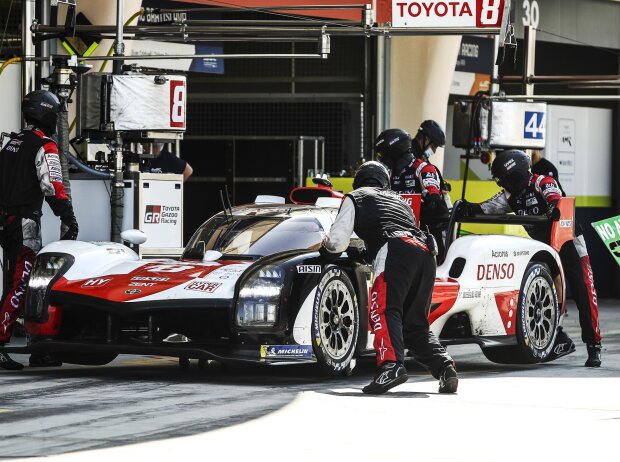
421, 14
346, 14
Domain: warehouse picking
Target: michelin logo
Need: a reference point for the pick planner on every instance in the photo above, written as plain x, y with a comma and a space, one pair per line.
286, 351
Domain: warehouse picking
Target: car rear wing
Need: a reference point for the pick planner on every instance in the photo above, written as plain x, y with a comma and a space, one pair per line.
309, 195
562, 230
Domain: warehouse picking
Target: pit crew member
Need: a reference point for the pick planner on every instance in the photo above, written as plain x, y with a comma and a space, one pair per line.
404, 271
413, 173
525, 193
29, 172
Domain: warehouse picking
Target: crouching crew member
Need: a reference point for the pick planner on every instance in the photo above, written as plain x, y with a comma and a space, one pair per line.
404, 272
525, 193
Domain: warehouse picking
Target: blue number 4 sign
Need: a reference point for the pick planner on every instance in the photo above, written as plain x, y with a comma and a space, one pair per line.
534, 126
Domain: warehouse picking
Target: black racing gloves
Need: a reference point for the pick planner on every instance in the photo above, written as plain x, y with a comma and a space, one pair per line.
327, 256
434, 204
359, 255
467, 209
553, 212
72, 233
64, 209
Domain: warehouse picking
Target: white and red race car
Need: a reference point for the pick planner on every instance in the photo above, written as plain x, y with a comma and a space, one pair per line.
249, 287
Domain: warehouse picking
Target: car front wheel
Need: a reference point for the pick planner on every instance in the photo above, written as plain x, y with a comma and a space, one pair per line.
335, 323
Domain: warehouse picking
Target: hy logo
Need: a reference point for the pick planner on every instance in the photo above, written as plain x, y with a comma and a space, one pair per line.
96, 282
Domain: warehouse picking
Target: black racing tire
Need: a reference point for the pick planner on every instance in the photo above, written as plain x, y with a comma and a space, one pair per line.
86, 359
538, 318
335, 322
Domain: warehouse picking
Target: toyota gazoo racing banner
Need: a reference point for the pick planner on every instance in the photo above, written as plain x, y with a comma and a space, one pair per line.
457, 14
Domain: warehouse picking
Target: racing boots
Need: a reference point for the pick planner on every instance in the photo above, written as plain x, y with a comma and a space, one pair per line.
563, 346
7, 363
448, 380
390, 375
594, 355
44, 360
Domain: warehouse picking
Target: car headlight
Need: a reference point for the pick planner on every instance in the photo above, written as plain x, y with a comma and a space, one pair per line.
259, 297
47, 269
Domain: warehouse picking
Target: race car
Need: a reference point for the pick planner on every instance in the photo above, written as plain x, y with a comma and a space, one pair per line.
251, 287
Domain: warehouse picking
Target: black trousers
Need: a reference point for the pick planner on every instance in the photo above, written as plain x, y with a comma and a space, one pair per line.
578, 273
400, 304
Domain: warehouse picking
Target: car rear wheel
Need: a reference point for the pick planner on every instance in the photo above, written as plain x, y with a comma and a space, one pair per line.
538, 317
335, 324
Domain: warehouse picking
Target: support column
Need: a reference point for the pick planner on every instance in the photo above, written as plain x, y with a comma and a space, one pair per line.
28, 74
421, 71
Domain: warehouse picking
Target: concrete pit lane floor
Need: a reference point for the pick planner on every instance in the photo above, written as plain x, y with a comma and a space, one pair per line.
146, 408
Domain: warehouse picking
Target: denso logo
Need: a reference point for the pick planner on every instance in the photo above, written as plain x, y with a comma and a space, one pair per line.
495, 271
153, 214
97, 282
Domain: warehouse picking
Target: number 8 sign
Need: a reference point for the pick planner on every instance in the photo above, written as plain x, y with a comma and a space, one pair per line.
177, 104
444, 14
489, 13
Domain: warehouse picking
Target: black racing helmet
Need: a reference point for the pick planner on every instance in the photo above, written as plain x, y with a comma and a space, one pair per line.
433, 131
371, 173
393, 148
40, 108
511, 170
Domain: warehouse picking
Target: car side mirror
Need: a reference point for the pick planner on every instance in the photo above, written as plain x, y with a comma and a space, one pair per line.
211, 255
134, 236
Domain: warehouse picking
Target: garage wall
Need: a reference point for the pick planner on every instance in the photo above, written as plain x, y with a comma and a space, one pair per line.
10, 89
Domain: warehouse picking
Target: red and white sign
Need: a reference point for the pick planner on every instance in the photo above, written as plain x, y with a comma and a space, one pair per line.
420, 14
152, 214
415, 202
177, 103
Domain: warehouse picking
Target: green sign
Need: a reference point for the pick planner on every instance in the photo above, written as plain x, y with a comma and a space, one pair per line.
609, 231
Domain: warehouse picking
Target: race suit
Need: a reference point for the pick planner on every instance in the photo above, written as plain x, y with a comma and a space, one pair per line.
404, 275
29, 171
421, 177
541, 194
546, 168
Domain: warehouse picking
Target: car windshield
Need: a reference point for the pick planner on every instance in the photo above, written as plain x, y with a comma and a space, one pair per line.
255, 236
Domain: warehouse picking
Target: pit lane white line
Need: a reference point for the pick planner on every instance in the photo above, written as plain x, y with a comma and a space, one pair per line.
557, 411
525, 419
